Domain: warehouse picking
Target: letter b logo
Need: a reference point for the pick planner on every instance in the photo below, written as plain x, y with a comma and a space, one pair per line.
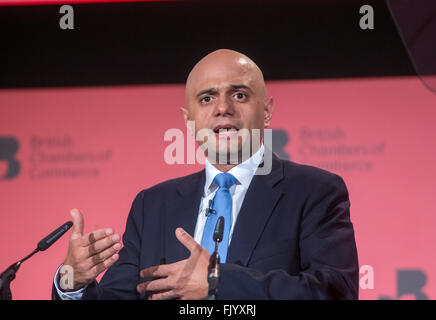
8, 148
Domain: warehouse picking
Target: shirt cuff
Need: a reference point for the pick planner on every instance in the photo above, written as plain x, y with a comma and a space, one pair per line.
72, 295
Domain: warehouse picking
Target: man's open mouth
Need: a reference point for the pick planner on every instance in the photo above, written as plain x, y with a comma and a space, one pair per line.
225, 130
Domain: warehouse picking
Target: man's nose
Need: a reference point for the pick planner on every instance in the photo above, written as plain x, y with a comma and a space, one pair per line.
224, 107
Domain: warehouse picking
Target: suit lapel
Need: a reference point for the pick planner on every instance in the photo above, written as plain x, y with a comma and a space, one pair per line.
183, 212
259, 202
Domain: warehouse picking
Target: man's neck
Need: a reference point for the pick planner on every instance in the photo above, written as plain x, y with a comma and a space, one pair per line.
225, 167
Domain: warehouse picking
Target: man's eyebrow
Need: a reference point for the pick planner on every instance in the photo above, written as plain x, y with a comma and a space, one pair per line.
231, 87
207, 91
234, 87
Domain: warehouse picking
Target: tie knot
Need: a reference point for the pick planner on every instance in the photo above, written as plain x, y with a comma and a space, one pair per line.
224, 180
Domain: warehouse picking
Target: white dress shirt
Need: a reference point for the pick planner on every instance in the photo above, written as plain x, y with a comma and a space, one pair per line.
243, 172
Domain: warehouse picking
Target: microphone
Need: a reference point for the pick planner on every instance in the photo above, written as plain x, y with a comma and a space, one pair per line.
213, 277
8, 275
45, 243
219, 231
208, 209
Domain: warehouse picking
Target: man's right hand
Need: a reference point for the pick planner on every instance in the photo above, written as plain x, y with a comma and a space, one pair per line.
90, 254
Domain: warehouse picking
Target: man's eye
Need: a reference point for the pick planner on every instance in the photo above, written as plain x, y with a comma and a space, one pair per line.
240, 96
206, 99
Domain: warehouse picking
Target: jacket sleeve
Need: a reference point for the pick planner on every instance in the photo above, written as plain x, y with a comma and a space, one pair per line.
328, 256
120, 280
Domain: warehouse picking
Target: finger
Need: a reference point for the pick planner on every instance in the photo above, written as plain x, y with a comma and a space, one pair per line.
155, 285
187, 240
98, 246
78, 224
162, 270
99, 268
104, 255
95, 236
166, 295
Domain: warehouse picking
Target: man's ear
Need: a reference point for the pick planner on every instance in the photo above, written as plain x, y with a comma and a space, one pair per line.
188, 122
268, 111
185, 114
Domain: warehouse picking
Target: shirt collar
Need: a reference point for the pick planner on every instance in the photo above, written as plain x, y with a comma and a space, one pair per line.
243, 172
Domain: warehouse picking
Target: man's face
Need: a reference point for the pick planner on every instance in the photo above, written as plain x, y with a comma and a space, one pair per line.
226, 95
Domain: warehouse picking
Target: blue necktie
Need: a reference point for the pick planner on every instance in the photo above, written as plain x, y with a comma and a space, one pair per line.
222, 206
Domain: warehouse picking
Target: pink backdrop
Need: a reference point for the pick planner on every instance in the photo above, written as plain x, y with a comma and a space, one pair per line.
95, 148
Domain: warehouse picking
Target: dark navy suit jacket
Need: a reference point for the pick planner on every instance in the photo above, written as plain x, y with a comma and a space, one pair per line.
293, 238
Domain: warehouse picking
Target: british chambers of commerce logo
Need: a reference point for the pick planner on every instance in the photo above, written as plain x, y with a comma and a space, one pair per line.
9, 165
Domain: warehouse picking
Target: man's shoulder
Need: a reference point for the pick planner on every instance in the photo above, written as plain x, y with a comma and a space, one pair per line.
171, 185
305, 174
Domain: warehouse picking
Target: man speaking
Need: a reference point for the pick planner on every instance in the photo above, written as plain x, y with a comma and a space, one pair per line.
287, 234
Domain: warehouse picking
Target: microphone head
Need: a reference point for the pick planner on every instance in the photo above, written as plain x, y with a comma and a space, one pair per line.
45, 243
219, 230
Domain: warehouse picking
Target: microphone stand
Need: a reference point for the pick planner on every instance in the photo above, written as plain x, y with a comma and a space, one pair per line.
213, 277
8, 275
214, 260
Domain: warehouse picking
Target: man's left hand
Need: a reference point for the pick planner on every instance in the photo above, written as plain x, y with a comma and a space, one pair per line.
186, 279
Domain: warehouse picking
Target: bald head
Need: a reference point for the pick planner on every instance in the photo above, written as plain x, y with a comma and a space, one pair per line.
226, 90
224, 64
